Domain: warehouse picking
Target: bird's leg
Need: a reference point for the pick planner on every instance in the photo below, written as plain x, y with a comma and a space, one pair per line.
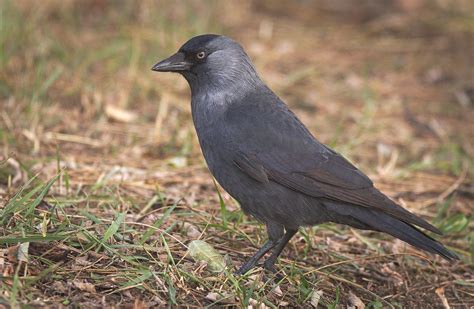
275, 233
257, 256
269, 263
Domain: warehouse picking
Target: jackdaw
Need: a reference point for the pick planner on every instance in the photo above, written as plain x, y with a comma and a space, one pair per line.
265, 158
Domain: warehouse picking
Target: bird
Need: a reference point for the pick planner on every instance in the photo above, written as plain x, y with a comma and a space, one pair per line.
266, 159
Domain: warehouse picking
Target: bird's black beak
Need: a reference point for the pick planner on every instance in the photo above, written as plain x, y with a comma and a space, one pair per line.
175, 63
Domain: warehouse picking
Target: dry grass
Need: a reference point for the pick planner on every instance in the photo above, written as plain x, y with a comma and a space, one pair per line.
81, 109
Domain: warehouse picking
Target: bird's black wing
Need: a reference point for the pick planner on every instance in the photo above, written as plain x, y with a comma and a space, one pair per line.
273, 145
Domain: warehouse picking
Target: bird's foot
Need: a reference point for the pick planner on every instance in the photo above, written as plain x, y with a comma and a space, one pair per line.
276, 275
271, 273
269, 265
246, 267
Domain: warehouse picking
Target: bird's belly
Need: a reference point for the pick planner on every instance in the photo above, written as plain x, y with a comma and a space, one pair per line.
267, 201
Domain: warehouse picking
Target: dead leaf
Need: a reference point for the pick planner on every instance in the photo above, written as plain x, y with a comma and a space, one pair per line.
254, 304
440, 292
212, 296
201, 251
12, 254
84, 286
22, 253
355, 302
191, 230
119, 114
82, 261
277, 291
178, 162
19, 175
315, 297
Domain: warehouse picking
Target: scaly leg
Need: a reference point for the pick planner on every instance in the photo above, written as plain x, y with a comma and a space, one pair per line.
275, 234
269, 263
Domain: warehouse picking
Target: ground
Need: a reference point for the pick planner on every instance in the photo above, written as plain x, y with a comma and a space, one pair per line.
103, 186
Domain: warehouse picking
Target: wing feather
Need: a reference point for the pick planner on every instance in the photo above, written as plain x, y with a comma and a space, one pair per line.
273, 145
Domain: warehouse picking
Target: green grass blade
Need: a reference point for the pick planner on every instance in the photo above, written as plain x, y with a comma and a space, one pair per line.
113, 228
42, 194
224, 212
31, 238
156, 225
16, 202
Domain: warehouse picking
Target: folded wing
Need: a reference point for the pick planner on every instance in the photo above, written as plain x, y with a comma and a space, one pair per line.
280, 149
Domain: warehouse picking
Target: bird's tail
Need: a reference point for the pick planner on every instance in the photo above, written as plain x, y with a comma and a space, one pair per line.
382, 222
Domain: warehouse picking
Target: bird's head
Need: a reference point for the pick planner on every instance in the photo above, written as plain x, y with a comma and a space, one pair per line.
208, 61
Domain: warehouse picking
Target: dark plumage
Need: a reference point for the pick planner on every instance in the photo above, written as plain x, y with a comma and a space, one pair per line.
267, 160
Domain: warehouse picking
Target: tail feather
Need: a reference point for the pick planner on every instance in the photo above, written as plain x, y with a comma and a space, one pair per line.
414, 236
383, 222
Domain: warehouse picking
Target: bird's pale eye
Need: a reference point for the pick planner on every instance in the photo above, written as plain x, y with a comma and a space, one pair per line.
201, 55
